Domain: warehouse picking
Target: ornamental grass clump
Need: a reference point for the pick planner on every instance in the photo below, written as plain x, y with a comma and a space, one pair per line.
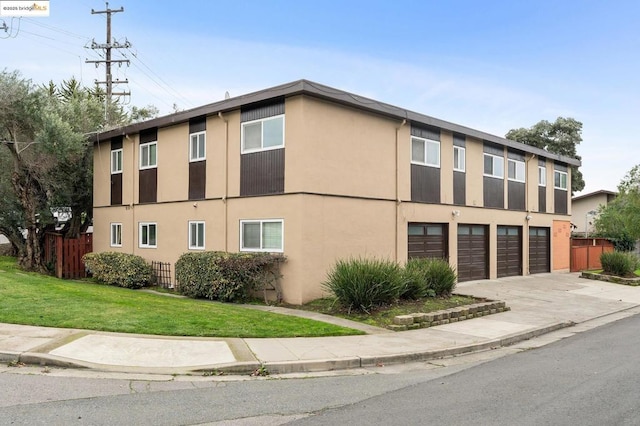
428, 277
621, 264
365, 284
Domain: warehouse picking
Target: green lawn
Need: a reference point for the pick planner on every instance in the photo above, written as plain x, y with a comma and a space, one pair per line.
33, 299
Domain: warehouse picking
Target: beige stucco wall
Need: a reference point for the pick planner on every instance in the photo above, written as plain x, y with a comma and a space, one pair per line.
474, 172
581, 207
331, 149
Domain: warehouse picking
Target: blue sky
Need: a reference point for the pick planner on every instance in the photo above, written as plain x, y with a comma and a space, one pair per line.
492, 66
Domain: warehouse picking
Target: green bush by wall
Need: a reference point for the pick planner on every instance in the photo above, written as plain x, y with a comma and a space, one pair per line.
120, 269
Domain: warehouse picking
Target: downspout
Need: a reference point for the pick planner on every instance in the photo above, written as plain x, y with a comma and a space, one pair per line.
226, 178
397, 195
134, 226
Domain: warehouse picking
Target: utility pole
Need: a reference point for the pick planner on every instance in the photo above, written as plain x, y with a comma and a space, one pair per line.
106, 47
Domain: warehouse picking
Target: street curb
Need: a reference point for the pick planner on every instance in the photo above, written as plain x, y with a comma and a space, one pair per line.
285, 367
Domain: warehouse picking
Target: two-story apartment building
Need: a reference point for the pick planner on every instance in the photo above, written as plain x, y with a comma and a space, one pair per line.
320, 174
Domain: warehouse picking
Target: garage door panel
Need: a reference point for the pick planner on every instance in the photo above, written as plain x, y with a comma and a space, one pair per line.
472, 252
539, 250
509, 251
428, 240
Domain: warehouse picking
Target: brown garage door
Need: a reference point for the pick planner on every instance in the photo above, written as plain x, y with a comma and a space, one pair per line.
473, 252
539, 250
428, 240
509, 251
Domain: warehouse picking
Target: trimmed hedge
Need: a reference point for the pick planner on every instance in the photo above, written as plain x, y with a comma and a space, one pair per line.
227, 277
120, 269
622, 264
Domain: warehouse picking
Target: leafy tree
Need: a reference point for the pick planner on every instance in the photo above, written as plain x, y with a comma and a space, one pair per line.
618, 220
44, 130
560, 137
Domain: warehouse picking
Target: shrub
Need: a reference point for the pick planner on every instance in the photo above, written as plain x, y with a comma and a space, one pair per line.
227, 277
441, 277
415, 279
120, 269
364, 284
619, 263
427, 277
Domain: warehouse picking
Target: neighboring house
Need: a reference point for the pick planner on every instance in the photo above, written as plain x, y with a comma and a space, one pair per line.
3, 239
320, 174
585, 208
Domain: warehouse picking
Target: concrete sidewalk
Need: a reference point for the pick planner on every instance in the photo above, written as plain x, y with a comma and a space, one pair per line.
539, 304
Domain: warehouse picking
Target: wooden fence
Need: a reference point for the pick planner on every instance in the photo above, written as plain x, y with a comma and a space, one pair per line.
585, 253
65, 254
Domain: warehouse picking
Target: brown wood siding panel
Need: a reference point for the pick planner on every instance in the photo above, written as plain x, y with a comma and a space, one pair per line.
149, 135
509, 252
459, 188
425, 184
432, 246
516, 195
426, 132
542, 199
473, 251
262, 172
493, 192
560, 201
148, 188
254, 112
116, 189
198, 124
116, 143
539, 250
197, 179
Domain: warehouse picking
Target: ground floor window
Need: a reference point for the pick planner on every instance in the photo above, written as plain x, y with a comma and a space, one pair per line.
262, 235
196, 235
148, 235
116, 235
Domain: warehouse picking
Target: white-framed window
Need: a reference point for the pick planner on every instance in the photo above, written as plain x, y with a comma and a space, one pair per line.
425, 152
197, 146
148, 155
148, 234
196, 235
116, 235
560, 179
116, 161
493, 166
263, 134
459, 159
516, 170
542, 176
262, 235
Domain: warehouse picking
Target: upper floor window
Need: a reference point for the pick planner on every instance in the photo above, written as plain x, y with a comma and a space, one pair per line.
116, 235
542, 176
196, 235
493, 166
560, 180
262, 235
425, 152
148, 235
263, 134
116, 161
458, 159
197, 146
516, 170
148, 155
